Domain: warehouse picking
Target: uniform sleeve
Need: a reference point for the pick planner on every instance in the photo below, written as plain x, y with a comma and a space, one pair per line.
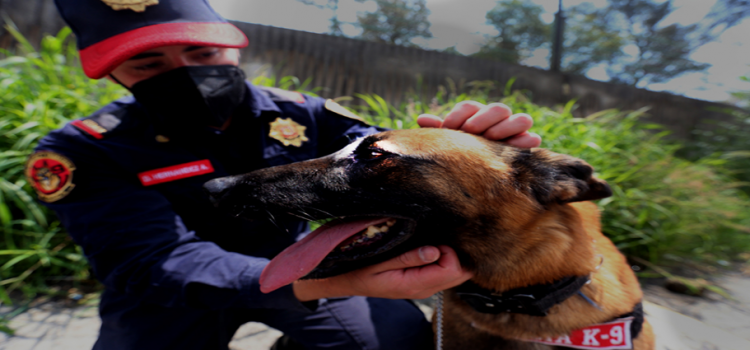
137, 245
336, 131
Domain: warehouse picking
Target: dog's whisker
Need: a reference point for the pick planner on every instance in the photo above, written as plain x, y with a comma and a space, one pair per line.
272, 219
305, 214
299, 216
312, 218
323, 212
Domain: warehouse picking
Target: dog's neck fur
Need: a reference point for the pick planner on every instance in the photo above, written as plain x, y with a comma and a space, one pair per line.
556, 245
553, 246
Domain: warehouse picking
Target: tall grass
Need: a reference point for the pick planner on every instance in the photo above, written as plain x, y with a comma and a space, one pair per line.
41, 90
728, 140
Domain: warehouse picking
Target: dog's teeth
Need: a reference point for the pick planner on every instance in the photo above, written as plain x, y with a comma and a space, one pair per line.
372, 231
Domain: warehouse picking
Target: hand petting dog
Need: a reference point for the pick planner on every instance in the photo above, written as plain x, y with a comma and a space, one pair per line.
494, 121
425, 271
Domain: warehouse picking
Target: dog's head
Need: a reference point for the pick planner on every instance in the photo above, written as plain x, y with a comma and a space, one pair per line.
397, 190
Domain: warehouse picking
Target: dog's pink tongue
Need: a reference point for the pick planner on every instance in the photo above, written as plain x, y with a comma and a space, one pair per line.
300, 258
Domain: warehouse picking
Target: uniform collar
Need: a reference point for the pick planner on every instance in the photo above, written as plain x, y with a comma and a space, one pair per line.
260, 102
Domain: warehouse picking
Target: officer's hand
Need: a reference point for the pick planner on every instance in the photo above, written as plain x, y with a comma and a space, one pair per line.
494, 121
417, 274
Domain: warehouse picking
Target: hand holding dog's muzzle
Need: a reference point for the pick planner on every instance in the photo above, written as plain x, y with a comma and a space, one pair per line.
416, 274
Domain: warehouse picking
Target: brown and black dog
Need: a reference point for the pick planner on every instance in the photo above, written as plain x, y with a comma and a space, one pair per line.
518, 218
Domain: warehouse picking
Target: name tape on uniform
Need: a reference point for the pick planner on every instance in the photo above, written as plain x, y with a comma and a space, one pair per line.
175, 172
613, 335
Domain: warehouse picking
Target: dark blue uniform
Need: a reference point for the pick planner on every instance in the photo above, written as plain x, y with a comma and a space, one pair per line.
178, 273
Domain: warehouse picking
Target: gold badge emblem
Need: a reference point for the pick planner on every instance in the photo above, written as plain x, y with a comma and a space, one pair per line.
135, 5
50, 174
288, 132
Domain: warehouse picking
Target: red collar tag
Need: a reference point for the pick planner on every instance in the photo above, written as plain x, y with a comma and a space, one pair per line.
175, 172
611, 336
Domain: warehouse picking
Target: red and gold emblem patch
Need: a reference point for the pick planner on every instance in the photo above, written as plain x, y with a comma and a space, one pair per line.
288, 132
135, 5
51, 175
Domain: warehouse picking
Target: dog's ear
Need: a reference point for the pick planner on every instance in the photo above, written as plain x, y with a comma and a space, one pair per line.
566, 179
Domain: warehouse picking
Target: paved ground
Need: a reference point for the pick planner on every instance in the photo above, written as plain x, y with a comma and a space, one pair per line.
730, 316
702, 324
51, 326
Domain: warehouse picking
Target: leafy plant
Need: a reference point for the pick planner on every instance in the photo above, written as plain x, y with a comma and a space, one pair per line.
727, 139
395, 22
521, 31
42, 90
286, 83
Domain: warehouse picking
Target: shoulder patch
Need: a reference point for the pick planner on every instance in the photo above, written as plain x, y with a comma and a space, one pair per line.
340, 110
97, 125
50, 174
281, 95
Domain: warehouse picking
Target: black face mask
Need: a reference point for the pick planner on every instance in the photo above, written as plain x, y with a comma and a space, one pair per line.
192, 97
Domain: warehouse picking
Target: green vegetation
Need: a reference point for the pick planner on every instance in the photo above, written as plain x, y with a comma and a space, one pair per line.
664, 207
395, 22
521, 31
726, 139
41, 91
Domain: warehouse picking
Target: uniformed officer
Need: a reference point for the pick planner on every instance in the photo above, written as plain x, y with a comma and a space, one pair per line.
126, 183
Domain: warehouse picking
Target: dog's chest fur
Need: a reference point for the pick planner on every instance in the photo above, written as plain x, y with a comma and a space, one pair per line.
614, 288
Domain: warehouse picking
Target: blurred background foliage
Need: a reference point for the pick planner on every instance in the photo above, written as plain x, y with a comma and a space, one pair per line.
665, 207
593, 35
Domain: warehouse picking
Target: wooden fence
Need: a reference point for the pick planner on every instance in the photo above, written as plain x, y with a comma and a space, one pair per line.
344, 66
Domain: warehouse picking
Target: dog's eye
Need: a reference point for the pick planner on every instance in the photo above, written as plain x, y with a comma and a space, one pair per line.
370, 154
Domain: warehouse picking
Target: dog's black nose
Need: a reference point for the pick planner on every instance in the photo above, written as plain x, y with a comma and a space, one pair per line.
217, 188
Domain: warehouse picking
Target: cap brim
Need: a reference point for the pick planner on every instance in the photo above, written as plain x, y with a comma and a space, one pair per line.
100, 59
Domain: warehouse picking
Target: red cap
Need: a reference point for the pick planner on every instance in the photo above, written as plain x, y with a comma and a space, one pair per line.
108, 32
101, 58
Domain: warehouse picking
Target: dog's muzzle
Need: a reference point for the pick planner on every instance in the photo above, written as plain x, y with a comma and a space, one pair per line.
218, 188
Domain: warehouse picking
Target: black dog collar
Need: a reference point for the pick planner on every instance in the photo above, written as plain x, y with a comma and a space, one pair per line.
533, 300
637, 325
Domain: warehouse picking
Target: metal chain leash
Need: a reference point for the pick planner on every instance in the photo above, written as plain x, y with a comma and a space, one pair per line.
439, 320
